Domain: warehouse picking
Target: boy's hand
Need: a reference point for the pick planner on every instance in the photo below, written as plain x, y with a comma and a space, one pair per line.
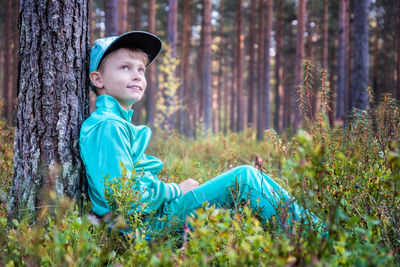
188, 185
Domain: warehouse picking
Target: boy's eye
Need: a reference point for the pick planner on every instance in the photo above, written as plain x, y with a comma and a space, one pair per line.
141, 70
125, 67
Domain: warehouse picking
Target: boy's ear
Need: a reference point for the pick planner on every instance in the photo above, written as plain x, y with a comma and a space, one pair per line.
96, 79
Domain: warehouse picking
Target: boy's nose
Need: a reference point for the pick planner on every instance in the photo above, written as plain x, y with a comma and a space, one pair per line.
135, 76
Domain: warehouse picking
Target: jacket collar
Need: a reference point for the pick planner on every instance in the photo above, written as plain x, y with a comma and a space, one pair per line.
110, 103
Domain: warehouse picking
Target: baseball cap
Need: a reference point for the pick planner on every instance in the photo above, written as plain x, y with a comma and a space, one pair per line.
145, 41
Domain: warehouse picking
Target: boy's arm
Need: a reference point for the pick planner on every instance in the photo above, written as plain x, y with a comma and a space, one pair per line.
103, 152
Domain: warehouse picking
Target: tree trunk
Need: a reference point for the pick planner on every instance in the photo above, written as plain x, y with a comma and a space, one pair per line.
220, 67
342, 63
171, 41
267, 86
397, 95
52, 103
206, 70
252, 65
299, 60
122, 16
261, 56
151, 75
359, 95
325, 34
278, 114
111, 17
7, 60
137, 23
184, 90
349, 53
239, 75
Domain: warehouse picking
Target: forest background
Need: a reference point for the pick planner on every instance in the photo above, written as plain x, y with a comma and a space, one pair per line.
239, 63
318, 80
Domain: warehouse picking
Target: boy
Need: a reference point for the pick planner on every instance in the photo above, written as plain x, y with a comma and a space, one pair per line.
117, 67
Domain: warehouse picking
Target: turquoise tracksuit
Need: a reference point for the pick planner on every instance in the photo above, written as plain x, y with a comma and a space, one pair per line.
107, 137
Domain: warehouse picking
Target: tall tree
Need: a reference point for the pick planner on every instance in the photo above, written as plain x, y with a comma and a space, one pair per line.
137, 22
267, 86
220, 66
359, 95
172, 37
299, 58
325, 35
111, 17
239, 65
206, 68
52, 103
397, 95
7, 59
122, 16
261, 55
278, 68
151, 77
184, 96
341, 88
252, 63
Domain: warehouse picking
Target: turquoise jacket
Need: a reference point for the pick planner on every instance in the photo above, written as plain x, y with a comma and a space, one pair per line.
107, 138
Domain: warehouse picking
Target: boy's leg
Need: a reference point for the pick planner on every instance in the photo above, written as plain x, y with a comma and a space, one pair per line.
241, 183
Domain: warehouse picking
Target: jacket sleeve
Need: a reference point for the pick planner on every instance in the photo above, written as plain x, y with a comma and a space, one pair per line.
108, 145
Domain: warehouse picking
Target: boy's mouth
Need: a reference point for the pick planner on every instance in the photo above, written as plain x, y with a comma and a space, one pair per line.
135, 87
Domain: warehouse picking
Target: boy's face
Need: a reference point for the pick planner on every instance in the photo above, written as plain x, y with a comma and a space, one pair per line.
122, 77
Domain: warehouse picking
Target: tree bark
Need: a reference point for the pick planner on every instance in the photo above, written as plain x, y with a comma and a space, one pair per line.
278, 114
299, 59
342, 63
325, 35
239, 75
220, 66
206, 70
137, 23
52, 103
397, 95
261, 67
359, 94
122, 16
7, 60
151, 75
252, 76
111, 17
184, 90
267, 86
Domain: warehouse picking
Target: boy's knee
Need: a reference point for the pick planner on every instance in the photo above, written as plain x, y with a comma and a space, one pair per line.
247, 169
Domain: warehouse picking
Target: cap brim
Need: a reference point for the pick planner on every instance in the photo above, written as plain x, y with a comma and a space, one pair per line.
145, 41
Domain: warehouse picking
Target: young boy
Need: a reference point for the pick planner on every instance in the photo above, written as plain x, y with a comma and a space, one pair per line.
117, 74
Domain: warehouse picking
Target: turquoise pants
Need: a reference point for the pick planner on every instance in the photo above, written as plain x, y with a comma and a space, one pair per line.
239, 184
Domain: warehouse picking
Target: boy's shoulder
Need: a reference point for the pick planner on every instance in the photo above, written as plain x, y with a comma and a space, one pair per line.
103, 124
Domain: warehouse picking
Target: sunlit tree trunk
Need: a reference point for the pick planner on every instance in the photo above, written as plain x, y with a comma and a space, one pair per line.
252, 64
111, 17
150, 71
299, 60
261, 68
52, 103
359, 95
220, 80
278, 114
206, 70
122, 16
185, 124
267, 86
240, 55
